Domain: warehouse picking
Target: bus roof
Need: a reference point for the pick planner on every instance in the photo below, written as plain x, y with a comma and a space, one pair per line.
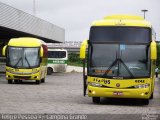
122, 20
25, 42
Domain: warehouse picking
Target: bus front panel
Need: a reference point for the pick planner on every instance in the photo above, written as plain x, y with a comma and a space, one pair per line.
119, 88
23, 63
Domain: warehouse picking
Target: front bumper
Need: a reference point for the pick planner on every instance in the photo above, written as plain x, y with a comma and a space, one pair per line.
143, 93
11, 76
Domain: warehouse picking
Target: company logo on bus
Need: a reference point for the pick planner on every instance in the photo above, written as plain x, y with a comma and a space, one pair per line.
117, 85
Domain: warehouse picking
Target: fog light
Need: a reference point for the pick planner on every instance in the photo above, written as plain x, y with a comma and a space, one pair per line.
146, 93
93, 92
8, 76
142, 94
36, 77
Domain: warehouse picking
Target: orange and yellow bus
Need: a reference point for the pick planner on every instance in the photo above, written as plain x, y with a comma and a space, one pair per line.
121, 58
26, 59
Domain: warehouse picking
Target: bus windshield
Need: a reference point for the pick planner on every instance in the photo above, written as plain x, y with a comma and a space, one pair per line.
56, 54
120, 34
22, 57
119, 60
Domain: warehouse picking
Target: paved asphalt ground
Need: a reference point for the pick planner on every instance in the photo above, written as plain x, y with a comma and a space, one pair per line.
62, 94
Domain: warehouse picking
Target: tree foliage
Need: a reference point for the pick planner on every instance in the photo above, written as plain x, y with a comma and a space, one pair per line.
74, 58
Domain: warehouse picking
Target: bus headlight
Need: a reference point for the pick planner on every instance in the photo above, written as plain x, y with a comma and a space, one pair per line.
95, 84
142, 86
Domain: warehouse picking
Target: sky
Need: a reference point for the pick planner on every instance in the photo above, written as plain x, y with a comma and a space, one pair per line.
76, 16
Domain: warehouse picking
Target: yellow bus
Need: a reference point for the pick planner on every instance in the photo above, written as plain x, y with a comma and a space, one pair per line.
26, 59
121, 59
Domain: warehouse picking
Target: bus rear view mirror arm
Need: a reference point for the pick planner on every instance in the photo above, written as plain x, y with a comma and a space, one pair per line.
83, 48
153, 50
41, 52
4, 50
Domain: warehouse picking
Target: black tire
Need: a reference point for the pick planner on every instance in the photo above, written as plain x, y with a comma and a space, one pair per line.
96, 99
43, 80
20, 81
151, 96
38, 82
10, 81
16, 81
145, 101
49, 71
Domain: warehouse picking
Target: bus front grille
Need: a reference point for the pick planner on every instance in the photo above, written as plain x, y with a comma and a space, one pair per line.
23, 77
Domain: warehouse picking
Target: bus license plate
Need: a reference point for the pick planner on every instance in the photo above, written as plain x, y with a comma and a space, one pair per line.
118, 93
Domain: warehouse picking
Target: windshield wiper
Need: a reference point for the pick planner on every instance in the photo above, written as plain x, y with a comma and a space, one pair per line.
127, 68
17, 62
27, 62
113, 64
109, 68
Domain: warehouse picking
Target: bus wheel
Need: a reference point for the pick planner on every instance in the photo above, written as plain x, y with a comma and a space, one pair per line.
20, 81
49, 71
145, 101
38, 82
16, 81
96, 99
10, 81
43, 80
151, 96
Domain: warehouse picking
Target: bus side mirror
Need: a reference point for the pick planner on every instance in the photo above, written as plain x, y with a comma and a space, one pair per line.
83, 48
153, 50
41, 52
4, 50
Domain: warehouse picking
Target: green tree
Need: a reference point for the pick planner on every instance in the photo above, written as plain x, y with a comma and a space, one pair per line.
73, 59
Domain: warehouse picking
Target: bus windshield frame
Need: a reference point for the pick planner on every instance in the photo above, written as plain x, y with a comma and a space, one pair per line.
23, 57
125, 56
